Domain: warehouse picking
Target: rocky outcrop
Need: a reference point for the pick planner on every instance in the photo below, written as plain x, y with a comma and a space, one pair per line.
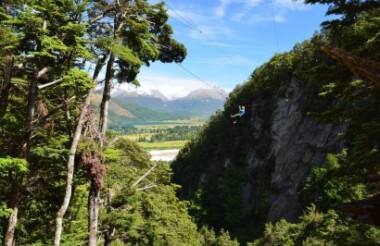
273, 147
299, 143
295, 144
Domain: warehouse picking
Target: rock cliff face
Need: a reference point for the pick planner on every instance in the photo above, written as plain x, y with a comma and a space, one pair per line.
273, 148
298, 143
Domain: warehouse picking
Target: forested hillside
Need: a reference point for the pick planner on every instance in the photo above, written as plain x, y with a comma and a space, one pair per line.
292, 170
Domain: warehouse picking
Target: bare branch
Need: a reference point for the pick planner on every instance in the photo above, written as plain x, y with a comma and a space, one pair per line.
144, 175
95, 19
50, 83
113, 141
55, 110
146, 187
42, 72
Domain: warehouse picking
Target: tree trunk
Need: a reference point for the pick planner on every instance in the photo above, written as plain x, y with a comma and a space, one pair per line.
103, 118
10, 233
70, 171
9, 237
67, 115
70, 162
93, 215
32, 95
110, 230
8, 68
94, 194
12, 221
108, 236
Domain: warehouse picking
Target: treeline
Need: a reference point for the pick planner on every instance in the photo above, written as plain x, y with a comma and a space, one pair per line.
173, 134
176, 133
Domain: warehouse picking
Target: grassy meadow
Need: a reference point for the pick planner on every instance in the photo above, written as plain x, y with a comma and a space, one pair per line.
146, 135
163, 145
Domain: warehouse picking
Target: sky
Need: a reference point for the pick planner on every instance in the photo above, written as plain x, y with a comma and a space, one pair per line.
226, 40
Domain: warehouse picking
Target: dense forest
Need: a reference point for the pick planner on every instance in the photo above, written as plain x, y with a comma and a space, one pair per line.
65, 181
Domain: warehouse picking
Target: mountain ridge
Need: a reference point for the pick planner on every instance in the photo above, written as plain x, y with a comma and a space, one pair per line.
154, 106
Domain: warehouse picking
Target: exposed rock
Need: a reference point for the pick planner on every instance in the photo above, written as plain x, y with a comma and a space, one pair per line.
299, 143
273, 148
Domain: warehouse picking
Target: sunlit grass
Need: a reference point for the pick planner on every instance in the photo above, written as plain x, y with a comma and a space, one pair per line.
137, 136
162, 145
171, 124
165, 144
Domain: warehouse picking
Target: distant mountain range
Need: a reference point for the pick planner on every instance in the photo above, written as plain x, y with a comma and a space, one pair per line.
127, 107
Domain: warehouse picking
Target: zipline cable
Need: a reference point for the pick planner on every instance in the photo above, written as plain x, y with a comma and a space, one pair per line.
193, 74
190, 24
274, 24
188, 21
201, 80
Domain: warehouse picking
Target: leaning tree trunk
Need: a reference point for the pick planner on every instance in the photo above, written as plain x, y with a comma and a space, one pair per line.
8, 68
103, 118
93, 214
12, 221
70, 162
109, 230
94, 194
70, 171
32, 95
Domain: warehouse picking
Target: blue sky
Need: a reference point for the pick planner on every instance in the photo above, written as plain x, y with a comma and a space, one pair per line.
227, 39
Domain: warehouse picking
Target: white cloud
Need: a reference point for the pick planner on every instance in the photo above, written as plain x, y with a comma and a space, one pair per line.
239, 16
237, 60
204, 32
242, 12
290, 4
257, 18
220, 10
209, 33
170, 87
223, 45
252, 2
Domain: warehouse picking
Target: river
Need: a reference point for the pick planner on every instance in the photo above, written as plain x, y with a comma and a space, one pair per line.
163, 155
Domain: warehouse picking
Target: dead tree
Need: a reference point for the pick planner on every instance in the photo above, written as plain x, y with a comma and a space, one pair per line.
365, 69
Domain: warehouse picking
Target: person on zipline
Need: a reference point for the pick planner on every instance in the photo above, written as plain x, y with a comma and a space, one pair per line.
241, 112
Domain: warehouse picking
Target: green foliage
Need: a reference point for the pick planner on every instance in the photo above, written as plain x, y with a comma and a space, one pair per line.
334, 185
4, 211
77, 81
232, 192
8, 41
316, 228
126, 54
75, 228
210, 238
224, 239
154, 216
13, 164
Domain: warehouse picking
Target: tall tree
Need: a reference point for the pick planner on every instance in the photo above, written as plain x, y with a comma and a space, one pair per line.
137, 34
48, 49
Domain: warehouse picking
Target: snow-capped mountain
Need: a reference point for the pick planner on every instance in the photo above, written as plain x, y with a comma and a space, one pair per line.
154, 106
